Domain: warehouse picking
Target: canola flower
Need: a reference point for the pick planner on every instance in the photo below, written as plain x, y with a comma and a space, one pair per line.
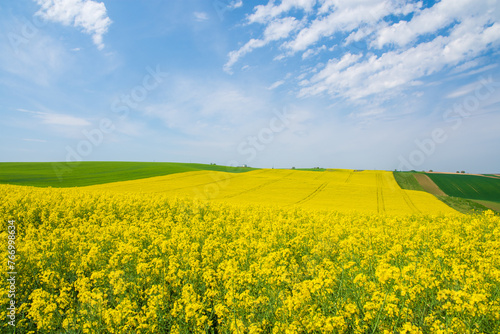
110, 262
341, 190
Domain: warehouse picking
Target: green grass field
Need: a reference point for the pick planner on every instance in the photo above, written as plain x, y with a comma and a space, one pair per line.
464, 205
406, 180
77, 174
468, 186
491, 205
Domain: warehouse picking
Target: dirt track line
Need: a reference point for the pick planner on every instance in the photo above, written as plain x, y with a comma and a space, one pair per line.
229, 177
348, 177
380, 194
265, 184
206, 183
409, 202
313, 194
490, 176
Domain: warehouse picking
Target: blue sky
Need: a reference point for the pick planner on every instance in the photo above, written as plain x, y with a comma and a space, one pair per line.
386, 84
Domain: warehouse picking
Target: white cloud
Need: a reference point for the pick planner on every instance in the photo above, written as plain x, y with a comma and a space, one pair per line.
313, 52
347, 16
200, 16
482, 69
90, 16
456, 31
57, 119
394, 69
236, 4
430, 20
276, 30
266, 13
276, 84
331, 17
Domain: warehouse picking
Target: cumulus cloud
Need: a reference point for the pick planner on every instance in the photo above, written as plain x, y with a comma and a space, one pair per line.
276, 30
393, 49
432, 19
313, 52
89, 16
266, 13
357, 79
346, 16
235, 4
330, 17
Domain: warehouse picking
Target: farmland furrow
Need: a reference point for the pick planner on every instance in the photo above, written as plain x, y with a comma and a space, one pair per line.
380, 194
348, 177
265, 184
206, 183
409, 202
313, 194
213, 180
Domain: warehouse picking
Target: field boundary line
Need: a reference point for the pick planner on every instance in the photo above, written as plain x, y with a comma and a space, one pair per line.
265, 184
230, 177
206, 183
380, 194
429, 185
313, 194
490, 176
348, 177
409, 202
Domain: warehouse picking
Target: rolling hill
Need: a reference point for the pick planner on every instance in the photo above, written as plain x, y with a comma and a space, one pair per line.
468, 186
77, 174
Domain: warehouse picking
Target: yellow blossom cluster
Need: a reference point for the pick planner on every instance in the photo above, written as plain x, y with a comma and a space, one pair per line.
111, 262
340, 189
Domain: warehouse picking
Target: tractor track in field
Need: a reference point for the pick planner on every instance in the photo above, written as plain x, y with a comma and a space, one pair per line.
380, 194
207, 183
265, 184
204, 184
490, 176
313, 194
409, 202
348, 177
171, 177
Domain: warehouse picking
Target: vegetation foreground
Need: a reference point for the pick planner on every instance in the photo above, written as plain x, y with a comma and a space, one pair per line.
102, 262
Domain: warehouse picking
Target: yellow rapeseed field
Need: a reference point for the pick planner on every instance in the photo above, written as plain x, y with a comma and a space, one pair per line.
339, 190
100, 261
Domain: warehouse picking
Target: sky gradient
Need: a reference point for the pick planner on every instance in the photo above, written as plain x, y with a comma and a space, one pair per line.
359, 84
